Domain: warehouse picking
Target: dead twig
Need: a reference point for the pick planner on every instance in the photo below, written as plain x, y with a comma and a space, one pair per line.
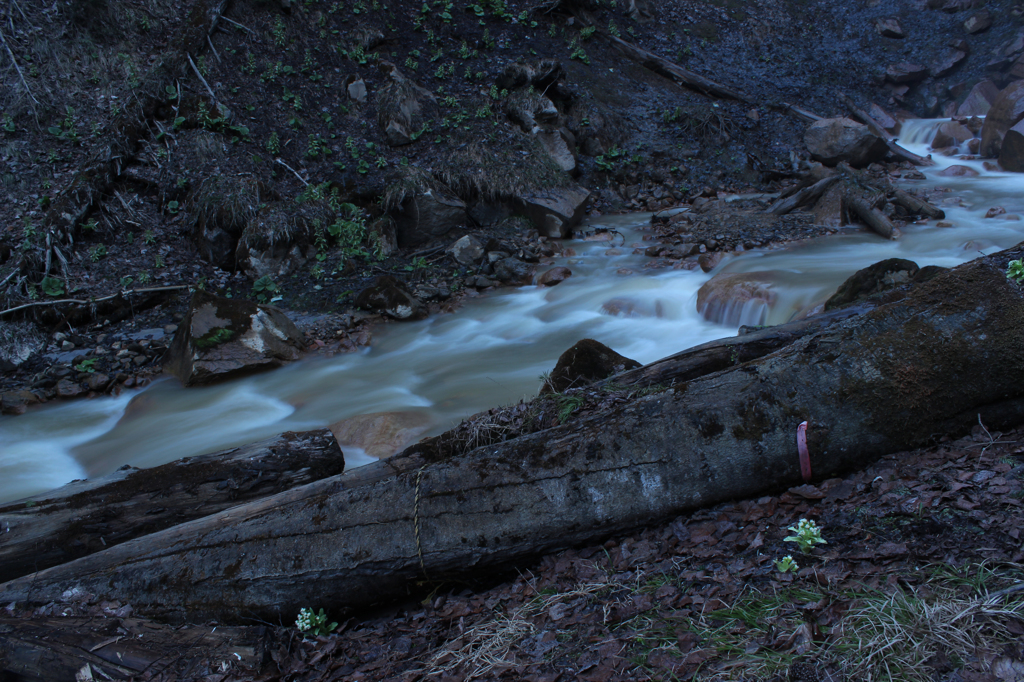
293, 171
42, 304
21, 76
221, 109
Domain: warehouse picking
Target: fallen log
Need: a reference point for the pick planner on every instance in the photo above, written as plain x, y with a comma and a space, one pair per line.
915, 205
891, 379
871, 216
74, 648
878, 130
85, 517
673, 71
804, 196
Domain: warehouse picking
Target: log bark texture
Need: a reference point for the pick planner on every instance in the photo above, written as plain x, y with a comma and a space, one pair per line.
85, 517
890, 379
871, 216
63, 648
804, 196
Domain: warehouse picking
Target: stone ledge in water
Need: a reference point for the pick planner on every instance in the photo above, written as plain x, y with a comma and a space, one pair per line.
223, 338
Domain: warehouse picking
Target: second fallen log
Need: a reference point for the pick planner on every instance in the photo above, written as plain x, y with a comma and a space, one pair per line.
84, 517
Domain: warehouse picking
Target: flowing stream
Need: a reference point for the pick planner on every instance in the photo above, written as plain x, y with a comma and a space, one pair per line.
494, 349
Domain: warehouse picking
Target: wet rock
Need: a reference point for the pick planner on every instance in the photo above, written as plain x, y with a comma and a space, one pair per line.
380, 434
905, 73
978, 22
97, 382
514, 271
979, 100
951, 134
889, 27
428, 214
1011, 153
710, 261
467, 251
66, 388
958, 171
948, 62
221, 338
622, 306
554, 276
17, 402
737, 298
586, 362
389, 297
832, 140
555, 211
995, 211
1006, 112
871, 280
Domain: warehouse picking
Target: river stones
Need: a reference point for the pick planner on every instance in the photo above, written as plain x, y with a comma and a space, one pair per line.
554, 276
222, 338
586, 362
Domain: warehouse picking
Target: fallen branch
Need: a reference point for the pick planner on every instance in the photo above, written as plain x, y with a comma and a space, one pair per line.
880, 132
874, 218
44, 304
915, 205
221, 109
801, 113
21, 75
804, 196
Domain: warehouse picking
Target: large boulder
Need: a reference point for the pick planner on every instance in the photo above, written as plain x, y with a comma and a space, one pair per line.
554, 211
832, 140
1006, 112
979, 100
586, 362
431, 212
871, 280
1011, 153
737, 298
951, 134
222, 338
389, 297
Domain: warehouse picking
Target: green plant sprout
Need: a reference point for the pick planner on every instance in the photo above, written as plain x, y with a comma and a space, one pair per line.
1015, 270
786, 565
807, 535
315, 623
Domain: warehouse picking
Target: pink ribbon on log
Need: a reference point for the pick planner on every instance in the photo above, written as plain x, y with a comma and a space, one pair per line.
805, 457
